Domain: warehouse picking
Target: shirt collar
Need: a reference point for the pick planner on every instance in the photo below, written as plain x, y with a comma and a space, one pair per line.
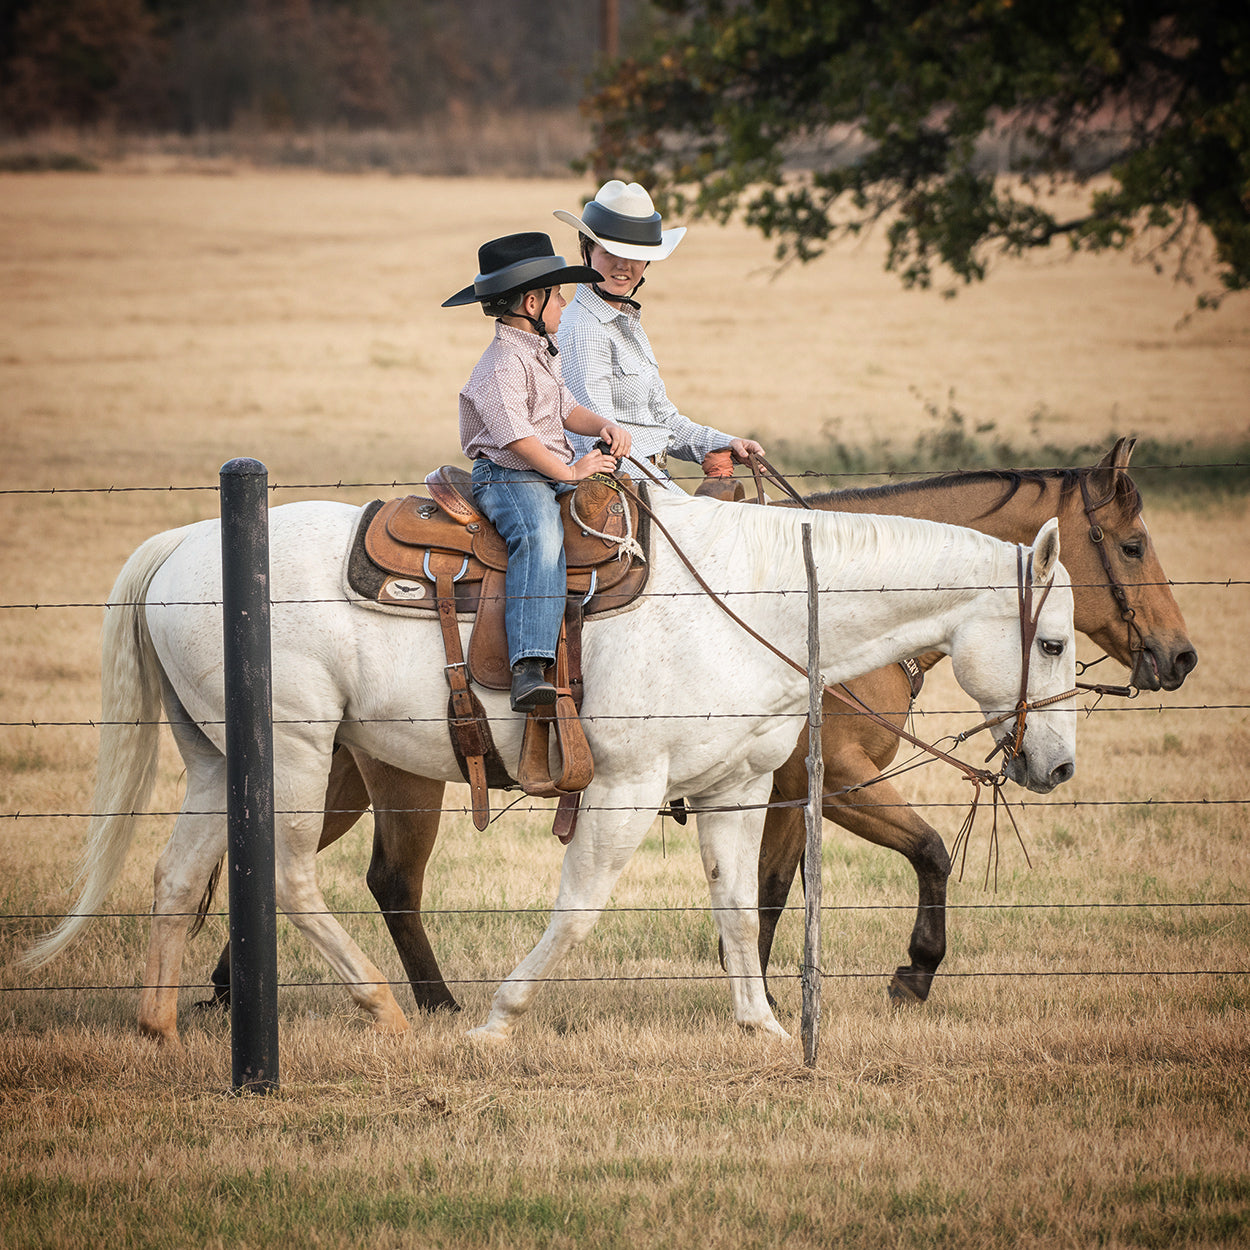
599, 307
514, 336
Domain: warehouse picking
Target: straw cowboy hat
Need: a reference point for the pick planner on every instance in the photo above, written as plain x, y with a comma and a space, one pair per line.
518, 263
623, 221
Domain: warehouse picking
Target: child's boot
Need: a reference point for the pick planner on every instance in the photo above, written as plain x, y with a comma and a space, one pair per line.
530, 688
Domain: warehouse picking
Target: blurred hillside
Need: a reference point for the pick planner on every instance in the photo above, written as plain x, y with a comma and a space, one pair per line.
290, 69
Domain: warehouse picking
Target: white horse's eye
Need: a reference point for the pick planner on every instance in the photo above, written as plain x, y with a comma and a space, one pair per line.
1051, 648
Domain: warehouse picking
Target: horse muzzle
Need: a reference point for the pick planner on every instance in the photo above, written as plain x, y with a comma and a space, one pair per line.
1040, 778
1157, 668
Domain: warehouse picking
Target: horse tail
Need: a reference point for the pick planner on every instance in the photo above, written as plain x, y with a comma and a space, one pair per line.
130, 688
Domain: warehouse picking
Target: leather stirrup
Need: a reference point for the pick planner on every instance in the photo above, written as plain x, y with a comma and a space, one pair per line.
577, 766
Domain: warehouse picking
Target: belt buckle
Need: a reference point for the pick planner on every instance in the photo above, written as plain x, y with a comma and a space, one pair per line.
660, 459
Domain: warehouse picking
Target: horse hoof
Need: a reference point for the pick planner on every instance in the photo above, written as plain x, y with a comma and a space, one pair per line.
908, 987
389, 1026
169, 1041
486, 1035
443, 1004
767, 1028
219, 1003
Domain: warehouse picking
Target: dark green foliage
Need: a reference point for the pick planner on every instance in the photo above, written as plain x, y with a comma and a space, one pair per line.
820, 117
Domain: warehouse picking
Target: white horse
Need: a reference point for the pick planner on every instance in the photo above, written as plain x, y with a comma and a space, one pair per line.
680, 702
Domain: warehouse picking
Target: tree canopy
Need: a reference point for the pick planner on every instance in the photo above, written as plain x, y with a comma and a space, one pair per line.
818, 118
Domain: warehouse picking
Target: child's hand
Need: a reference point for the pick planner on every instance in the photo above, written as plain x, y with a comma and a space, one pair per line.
593, 462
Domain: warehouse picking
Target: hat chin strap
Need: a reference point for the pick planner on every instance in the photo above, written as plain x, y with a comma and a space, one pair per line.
540, 326
628, 300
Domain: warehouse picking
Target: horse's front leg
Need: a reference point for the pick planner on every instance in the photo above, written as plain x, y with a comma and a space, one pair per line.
729, 843
611, 825
856, 750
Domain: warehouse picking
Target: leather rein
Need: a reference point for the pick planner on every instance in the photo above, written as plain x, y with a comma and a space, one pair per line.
1028, 631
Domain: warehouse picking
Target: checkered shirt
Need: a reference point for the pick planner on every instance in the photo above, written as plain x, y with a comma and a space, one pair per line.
515, 391
610, 368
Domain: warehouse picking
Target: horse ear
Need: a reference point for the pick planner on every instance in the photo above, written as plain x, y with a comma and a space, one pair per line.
1103, 475
1046, 552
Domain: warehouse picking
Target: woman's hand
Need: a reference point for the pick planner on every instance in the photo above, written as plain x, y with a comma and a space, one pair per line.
744, 447
617, 439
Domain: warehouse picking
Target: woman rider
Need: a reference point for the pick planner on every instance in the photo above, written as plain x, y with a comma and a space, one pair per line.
607, 359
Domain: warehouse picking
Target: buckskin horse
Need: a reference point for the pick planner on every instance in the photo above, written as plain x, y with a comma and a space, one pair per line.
376, 684
1122, 602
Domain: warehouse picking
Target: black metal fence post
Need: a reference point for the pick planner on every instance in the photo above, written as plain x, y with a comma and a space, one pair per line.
249, 776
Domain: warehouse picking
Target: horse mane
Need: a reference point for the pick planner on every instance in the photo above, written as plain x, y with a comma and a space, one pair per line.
770, 532
1127, 498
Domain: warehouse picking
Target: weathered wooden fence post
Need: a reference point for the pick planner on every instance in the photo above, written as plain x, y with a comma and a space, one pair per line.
814, 815
249, 776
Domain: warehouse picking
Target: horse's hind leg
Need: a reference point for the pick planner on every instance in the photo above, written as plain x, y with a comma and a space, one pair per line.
346, 801
406, 811
297, 828
195, 846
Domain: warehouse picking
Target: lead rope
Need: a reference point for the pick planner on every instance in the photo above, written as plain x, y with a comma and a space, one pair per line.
627, 546
760, 468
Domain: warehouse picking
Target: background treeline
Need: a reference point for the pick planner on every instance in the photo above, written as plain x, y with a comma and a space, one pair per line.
204, 65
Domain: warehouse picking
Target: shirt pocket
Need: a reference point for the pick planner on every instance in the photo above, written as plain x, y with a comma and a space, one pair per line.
629, 383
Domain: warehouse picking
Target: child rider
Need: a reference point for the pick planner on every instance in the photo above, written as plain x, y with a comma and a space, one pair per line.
514, 411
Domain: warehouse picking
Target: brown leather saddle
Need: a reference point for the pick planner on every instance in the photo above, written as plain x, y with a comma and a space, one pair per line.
441, 555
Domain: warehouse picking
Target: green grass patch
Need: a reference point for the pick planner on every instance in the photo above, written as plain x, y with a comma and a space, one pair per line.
1182, 471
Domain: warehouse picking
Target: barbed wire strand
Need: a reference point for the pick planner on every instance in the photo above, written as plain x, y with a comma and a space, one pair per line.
892, 474
1055, 805
662, 978
670, 909
421, 614
1098, 708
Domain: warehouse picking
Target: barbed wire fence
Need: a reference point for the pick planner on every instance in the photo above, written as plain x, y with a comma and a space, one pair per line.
1137, 707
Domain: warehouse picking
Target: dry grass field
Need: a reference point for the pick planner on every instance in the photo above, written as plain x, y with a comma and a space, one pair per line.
1078, 1076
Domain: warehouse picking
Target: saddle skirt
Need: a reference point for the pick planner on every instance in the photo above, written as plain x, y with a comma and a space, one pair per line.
403, 546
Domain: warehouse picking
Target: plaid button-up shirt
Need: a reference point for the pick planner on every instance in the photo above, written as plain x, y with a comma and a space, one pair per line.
610, 368
515, 391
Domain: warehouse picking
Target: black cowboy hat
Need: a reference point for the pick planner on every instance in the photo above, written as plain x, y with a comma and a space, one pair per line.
518, 263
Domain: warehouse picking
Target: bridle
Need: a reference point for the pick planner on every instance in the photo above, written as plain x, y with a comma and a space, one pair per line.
1136, 640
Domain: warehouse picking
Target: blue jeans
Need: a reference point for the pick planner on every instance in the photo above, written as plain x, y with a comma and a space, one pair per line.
524, 506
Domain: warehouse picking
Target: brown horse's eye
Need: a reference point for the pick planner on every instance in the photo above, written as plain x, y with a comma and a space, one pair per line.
1134, 549
1051, 648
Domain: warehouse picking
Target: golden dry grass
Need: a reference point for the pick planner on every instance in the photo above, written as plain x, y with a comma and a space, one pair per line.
154, 327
